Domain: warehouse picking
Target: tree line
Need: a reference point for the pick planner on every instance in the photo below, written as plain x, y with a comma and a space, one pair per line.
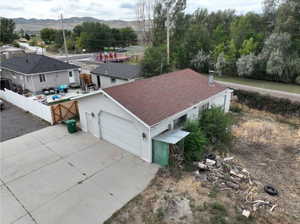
91, 36
254, 45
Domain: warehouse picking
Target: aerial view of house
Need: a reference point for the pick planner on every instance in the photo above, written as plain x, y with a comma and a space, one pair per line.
35, 72
132, 114
150, 112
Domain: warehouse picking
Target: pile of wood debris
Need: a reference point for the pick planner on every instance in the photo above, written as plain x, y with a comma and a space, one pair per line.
227, 175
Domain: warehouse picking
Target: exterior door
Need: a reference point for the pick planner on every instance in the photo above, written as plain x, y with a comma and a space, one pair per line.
71, 77
98, 81
120, 132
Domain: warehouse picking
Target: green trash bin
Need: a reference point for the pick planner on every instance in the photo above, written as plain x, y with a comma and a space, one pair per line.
71, 125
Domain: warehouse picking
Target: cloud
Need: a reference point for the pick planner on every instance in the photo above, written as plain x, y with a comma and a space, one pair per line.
127, 5
10, 8
105, 9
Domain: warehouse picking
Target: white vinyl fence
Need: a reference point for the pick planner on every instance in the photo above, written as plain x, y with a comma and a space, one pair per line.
38, 109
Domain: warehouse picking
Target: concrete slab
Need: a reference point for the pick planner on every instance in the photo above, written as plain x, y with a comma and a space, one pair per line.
126, 178
25, 220
39, 187
85, 203
68, 179
72, 143
10, 209
96, 157
18, 145
51, 134
26, 162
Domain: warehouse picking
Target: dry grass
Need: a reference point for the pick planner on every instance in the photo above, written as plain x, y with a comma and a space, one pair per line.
268, 146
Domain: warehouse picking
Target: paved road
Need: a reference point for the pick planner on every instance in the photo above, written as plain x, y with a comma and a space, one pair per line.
74, 57
276, 93
52, 177
15, 122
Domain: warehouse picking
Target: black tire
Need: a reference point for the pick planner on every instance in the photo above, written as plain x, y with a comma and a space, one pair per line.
210, 156
271, 190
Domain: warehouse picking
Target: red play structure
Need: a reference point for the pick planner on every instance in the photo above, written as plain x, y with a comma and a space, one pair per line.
111, 57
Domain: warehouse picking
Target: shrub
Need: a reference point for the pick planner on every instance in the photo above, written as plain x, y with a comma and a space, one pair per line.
297, 81
235, 108
216, 125
268, 103
194, 143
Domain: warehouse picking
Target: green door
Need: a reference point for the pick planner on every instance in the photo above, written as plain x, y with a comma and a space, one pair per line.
160, 153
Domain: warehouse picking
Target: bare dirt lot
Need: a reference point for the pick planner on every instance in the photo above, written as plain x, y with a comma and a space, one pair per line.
15, 122
266, 146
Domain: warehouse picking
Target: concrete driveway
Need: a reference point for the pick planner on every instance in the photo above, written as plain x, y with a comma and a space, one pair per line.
50, 176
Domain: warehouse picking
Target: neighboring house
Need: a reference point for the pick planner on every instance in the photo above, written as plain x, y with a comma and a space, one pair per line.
133, 114
112, 74
7, 52
36, 72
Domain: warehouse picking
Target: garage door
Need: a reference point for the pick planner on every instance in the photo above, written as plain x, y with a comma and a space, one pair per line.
120, 132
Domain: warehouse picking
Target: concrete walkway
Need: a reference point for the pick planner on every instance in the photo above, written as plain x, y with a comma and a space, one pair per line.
50, 176
275, 93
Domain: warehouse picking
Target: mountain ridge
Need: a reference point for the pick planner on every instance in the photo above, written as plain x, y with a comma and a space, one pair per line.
35, 25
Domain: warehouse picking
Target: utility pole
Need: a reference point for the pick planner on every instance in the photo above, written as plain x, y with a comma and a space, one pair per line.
168, 37
64, 36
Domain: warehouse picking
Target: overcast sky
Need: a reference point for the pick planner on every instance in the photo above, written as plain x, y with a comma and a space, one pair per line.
106, 9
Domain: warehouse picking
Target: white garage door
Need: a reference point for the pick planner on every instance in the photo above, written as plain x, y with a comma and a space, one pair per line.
120, 132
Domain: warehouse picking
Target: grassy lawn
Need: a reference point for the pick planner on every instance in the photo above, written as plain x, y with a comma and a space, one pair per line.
292, 88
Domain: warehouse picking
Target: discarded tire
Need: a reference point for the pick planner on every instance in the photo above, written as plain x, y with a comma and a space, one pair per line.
270, 190
210, 156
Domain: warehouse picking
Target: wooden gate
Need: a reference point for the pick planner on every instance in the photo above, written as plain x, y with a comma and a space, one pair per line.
64, 111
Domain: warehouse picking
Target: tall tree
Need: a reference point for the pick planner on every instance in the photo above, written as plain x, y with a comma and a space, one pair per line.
48, 35
7, 31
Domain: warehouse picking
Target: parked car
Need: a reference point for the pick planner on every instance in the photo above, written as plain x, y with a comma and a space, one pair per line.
1, 105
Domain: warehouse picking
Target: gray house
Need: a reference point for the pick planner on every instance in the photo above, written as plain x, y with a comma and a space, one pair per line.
112, 74
36, 72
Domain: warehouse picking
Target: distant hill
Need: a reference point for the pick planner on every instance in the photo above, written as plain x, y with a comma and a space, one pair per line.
35, 25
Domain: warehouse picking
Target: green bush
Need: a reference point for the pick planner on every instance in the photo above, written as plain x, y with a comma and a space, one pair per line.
268, 103
236, 109
194, 143
297, 81
216, 126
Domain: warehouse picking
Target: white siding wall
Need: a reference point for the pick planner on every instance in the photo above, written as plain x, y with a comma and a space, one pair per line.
106, 81
100, 103
193, 112
32, 81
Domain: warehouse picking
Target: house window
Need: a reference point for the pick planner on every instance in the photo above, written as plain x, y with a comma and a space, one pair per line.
70, 74
112, 80
180, 121
42, 78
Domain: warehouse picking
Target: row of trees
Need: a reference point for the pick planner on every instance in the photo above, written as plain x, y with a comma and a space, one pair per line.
92, 36
261, 46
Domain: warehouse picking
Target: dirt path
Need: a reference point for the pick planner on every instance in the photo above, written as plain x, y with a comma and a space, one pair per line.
275, 93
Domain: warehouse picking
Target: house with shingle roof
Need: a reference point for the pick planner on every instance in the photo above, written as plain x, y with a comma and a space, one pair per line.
36, 72
112, 74
137, 115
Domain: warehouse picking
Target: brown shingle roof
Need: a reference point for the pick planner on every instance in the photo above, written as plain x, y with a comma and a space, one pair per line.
155, 99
